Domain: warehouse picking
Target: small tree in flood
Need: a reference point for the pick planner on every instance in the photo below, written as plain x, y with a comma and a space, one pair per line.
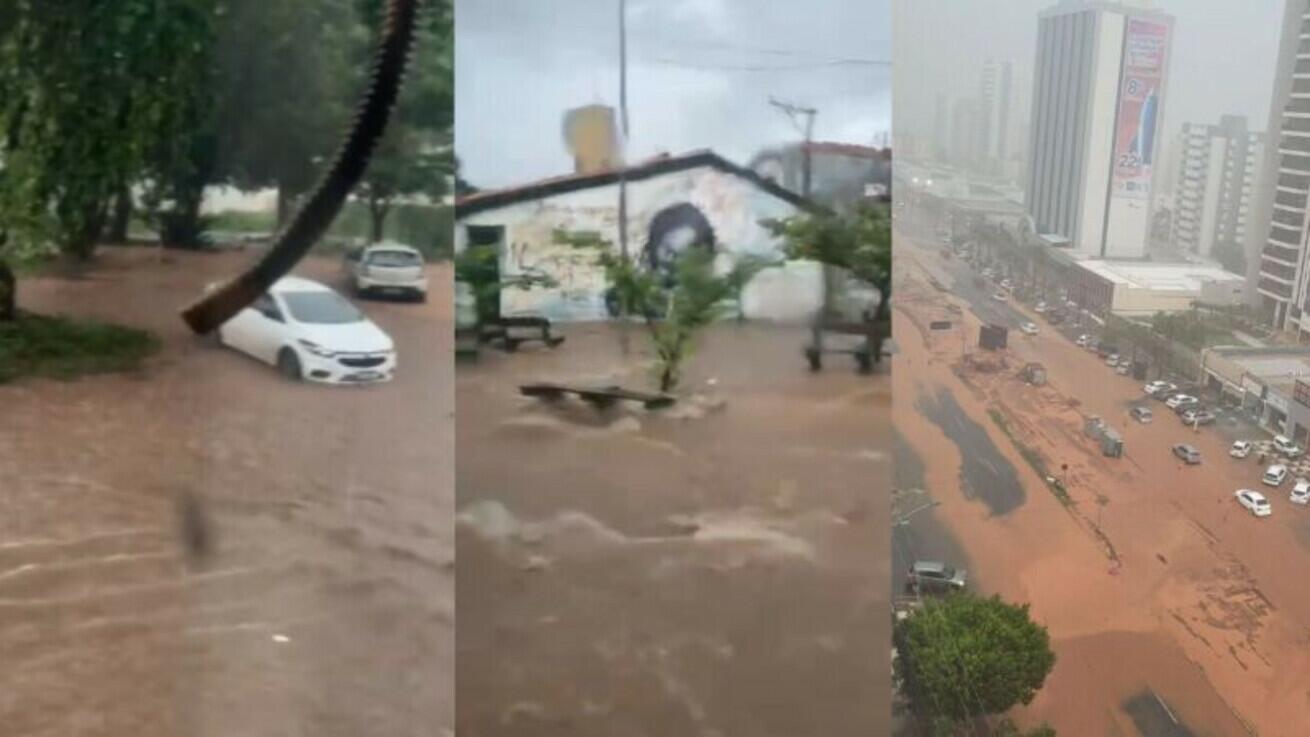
859, 244
674, 311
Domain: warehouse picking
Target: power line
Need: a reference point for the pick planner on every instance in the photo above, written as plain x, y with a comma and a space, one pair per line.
665, 61
763, 50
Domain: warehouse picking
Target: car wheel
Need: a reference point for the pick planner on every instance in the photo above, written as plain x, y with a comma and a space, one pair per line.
288, 364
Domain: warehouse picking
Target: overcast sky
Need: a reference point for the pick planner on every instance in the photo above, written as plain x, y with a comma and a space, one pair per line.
1222, 59
700, 74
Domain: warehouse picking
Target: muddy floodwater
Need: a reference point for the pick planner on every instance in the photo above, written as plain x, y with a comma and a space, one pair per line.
716, 568
325, 603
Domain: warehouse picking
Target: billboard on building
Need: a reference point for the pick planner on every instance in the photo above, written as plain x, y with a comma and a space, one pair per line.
1146, 47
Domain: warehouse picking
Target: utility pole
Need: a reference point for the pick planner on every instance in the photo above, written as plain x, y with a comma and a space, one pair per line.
623, 125
793, 111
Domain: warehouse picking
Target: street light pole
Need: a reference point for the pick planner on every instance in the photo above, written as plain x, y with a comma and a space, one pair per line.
623, 124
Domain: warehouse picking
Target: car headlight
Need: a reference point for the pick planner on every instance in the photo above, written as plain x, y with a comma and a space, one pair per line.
316, 349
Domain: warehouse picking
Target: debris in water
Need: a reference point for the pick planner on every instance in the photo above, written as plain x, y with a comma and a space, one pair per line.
281, 639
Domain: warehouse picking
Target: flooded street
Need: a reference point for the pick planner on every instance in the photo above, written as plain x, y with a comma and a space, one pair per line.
325, 603
715, 568
1169, 609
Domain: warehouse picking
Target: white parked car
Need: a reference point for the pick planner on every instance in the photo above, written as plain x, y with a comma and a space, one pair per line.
311, 332
1275, 475
1283, 445
1180, 400
1028, 328
387, 268
1040, 308
1159, 388
999, 296
1254, 501
1300, 492
1122, 370
1083, 340
1112, 360
1240, 449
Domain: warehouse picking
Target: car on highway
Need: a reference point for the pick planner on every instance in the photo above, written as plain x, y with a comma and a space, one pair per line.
1190, 455
1275, 475
999, 296
1180, 400
1141, 414
1254, 502
1240, 449
387, 268
1028, 328
309, 331
1300, 492
1160, 388
1197, 416
930, 576
1284, 446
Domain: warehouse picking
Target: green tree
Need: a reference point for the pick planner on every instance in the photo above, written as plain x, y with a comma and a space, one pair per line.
674, 311
965, 657
87, 89
859, 244
286, 73
416, 155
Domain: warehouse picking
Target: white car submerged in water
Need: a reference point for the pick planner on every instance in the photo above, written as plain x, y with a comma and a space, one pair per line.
308, 331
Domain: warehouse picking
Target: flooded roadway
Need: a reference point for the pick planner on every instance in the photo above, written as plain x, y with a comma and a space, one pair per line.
718, 568
1119, 630
325, 605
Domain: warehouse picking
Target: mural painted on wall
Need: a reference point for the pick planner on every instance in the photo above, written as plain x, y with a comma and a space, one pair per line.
674, 231
701, 208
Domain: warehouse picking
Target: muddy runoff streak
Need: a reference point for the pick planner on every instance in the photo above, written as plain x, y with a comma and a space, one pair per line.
985, 474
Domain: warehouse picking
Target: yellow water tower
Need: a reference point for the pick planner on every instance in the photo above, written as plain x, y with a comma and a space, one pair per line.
591, 136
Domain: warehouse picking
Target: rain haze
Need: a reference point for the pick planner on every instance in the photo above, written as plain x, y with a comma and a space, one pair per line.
700, 75
1222, 59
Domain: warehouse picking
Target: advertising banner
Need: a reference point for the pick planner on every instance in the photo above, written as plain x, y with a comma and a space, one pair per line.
1145, 51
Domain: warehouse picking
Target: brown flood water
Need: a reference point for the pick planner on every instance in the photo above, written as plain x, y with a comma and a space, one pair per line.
718, 568
1152, 583
326, 606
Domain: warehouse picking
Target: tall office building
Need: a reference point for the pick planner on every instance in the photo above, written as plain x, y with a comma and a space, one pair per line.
1098, 91
1280, 213
1212, 194
1004, 101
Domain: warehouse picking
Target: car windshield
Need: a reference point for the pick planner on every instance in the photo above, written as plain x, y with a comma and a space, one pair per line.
321, 308
393, 259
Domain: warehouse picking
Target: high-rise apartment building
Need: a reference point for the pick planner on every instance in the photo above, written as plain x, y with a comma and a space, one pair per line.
1098, 91
1280, 213
1212, 192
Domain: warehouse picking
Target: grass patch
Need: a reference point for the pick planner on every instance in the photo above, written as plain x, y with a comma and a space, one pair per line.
65, 348
1033, 458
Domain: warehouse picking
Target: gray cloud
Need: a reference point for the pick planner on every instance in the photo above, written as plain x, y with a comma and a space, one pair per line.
700, 75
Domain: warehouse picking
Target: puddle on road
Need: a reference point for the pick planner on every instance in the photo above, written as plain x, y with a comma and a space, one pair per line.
1153, 718
923, 535
986, 475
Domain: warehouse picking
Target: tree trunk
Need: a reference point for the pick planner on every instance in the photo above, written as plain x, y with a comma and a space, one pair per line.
122, 216
8, 292
378, 209
283, 206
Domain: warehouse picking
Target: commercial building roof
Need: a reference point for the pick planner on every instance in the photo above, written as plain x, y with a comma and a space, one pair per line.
1159, 276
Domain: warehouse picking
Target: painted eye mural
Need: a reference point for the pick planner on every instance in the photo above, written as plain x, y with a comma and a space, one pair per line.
673, 231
